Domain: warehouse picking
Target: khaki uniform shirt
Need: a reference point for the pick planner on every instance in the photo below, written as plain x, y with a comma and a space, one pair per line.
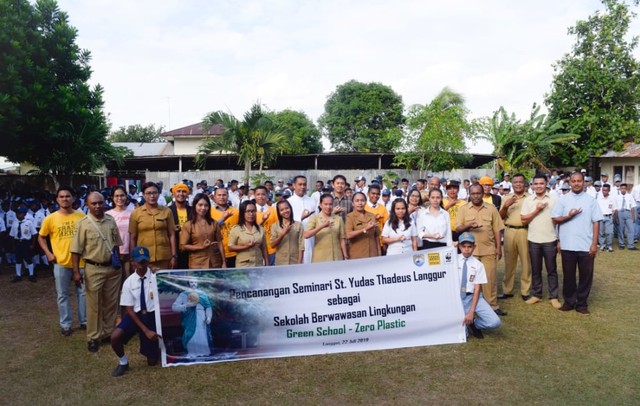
488, 217
513, 212
327, 241
89, 244
239, 235
191, 234
363, 245
290, 246
153, 227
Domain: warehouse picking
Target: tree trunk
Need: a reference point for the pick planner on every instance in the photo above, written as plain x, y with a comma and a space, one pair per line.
247, 170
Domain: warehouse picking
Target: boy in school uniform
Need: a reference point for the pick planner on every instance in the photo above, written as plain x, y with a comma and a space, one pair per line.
138, 292
23, 231
473, 277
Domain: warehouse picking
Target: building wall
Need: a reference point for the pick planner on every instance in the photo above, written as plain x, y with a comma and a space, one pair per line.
186, 146
628, 168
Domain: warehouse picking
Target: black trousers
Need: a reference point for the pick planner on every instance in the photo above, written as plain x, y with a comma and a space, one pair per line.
537, 253
576, 294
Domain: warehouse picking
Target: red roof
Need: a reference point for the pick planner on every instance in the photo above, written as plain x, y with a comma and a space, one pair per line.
193, 130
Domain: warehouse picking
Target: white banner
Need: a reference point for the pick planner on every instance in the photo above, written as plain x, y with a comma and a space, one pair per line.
331, 307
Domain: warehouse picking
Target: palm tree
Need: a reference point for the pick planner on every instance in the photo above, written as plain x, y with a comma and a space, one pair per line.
254, 139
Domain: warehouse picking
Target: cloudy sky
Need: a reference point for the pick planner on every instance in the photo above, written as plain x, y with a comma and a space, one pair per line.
170, 62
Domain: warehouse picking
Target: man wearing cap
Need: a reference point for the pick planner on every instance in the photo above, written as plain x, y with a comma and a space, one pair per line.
94, 241
138, 292
361, 185
478, 313
181, 210
60, 227
617, 179
487, 184
133, 192
452, 204
385, 199
543, 245
625, 216
607, 207
227, 216
578, 218
483, 221
516, 244
280, 185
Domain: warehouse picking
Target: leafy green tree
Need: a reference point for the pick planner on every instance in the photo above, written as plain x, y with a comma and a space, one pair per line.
49, 115
596, 87
436, 134
302, 135
501, 130
137, 133
255, 139
363, 117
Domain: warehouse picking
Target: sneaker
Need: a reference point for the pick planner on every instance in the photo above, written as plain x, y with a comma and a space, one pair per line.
533, 300
16, 279
555, 303
632, 249
475, 331
610, 249
32, 278
66, 331
584, 312
603, 248
120, 370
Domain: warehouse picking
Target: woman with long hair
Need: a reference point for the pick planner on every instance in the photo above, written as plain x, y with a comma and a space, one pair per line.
328, 229
152, 226
248, 239
201, 237
399, 232
434, 223
362, 230
121, 212
287, 236
414, 207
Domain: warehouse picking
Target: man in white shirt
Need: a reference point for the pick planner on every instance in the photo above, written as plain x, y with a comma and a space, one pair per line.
303, 207
625, 207
607, 205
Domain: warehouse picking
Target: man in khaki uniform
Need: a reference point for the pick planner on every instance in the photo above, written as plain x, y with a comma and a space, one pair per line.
516, 244
96, 236
483, 221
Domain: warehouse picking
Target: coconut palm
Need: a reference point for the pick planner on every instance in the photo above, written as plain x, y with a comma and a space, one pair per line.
254, 139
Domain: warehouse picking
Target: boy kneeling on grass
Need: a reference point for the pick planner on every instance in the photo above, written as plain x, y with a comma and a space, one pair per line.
473, 276
138, 291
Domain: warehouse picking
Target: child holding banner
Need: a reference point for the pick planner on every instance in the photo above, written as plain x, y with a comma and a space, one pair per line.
473, 276
138, 292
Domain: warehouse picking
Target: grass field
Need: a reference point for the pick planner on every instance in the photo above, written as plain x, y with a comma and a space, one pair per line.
539, 356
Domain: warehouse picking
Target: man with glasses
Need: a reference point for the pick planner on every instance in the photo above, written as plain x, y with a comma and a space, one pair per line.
60, 227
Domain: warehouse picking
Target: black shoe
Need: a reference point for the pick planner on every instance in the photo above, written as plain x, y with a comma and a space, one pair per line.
83, 327
32, 278
16, 279
565, 308
632, 249
66, 331
504, 296
152, 361
475, 331
500, 312
93, 346
621, 248
120, 370
526, 297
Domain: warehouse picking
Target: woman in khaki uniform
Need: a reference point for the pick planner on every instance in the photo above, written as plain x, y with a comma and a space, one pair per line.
287, 236
248, 239
362, 230
328, 230
200, 236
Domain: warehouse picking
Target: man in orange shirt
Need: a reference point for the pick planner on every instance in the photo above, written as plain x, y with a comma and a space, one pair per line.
377, 208
227, 217
266, 216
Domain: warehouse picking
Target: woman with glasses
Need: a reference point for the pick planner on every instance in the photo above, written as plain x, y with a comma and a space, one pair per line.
247, 238
201, 237
152, 226
121, 212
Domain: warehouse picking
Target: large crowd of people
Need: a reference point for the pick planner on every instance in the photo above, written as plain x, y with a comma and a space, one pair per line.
89, 237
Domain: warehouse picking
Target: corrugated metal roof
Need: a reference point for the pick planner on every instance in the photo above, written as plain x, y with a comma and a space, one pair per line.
193, 130
630, 151
141, 149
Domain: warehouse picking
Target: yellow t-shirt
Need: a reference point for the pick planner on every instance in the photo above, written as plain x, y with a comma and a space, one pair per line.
384, 216
182, 216
226, 227
60, 228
